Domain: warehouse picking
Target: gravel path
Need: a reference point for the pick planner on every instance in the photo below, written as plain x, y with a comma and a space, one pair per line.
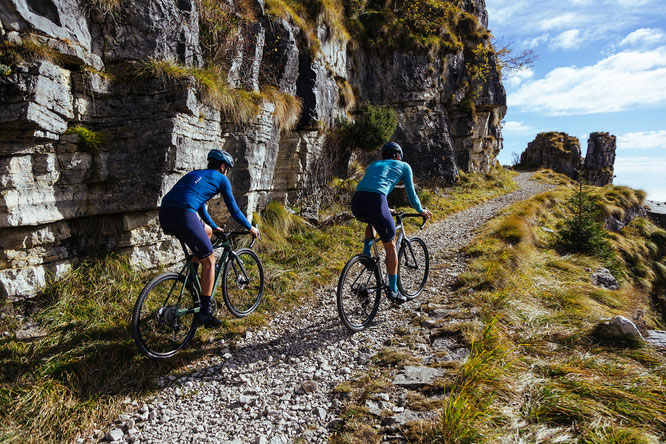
276, 383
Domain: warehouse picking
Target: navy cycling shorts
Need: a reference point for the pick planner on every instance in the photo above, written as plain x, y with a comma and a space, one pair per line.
186, 225
373, 208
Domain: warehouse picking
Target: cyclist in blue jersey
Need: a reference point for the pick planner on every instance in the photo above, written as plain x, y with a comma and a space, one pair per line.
369, 203
178, 216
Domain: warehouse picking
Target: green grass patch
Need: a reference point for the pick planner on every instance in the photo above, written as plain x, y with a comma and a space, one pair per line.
89, 141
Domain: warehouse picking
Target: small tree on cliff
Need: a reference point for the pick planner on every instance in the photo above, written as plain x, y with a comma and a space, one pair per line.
510, 62
373, 127
582, 232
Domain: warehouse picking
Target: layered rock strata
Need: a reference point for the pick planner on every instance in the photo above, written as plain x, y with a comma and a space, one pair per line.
62, 199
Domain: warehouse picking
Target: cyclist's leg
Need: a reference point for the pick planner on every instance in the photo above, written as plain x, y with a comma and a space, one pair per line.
199, 242
361, 206
369, 237
385, 226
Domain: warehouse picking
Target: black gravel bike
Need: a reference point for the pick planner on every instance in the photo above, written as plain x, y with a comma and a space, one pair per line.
164, 322
362, 282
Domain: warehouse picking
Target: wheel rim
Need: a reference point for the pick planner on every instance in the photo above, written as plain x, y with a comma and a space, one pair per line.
243, 285
413, 264
358, 295
161, 331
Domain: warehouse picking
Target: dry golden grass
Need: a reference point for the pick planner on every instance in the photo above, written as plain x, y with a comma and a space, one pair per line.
548, 309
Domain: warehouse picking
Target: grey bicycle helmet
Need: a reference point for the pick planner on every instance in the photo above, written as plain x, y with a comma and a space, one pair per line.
222, 156
392, 147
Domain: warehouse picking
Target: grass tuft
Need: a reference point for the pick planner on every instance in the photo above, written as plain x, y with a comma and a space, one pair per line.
89, 141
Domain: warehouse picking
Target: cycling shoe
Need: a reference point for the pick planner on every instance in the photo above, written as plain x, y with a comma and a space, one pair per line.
396, 296
208, 320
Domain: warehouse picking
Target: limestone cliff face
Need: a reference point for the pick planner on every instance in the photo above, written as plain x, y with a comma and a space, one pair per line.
60, 201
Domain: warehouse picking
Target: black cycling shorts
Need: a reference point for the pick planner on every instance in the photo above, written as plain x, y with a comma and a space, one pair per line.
186, 225
373, 208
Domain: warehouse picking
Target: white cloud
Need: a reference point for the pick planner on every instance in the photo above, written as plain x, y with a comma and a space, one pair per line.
518, 128
644, 35
515, 78
567, 40
601, 20
645, 173
642, 140
536, 41
622, 81
559, 22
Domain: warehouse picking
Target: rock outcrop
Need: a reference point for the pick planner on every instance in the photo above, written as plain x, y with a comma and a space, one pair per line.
73, 63
562, 154
559, 152
600, 159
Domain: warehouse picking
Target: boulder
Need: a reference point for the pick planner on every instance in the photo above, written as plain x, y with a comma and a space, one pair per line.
604, 278
618, 327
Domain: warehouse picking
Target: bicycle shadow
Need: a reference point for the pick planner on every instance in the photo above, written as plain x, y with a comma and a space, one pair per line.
303, 341
108, 364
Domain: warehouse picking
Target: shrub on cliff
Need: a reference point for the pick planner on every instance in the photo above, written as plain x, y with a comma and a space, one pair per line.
371, 129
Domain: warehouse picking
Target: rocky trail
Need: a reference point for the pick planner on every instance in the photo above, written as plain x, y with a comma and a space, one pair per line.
276, 384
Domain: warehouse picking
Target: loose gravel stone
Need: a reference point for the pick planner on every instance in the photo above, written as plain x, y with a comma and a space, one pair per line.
277, 384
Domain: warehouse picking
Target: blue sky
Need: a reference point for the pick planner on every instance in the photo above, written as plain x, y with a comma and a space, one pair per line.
601, 67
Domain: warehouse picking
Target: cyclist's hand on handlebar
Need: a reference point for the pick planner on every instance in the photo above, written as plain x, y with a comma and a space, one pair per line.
254, 231
427, 214
393, 211
218, 231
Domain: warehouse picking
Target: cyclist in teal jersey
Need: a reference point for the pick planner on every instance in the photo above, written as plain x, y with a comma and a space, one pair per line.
369, 204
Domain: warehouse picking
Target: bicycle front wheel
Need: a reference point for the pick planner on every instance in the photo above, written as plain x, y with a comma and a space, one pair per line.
413, 266
359, 292
161, 322
243, 282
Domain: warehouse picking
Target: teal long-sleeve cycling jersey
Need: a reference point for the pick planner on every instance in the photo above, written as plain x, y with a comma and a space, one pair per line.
194, 189
382, 176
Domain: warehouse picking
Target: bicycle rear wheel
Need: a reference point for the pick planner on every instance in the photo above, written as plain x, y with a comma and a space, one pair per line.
158, 330
413, 266
243, 282
359, 292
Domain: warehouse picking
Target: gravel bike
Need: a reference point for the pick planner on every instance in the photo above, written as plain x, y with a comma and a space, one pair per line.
163, 321
362, 282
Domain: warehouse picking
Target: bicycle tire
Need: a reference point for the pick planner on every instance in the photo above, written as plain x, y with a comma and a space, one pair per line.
413, 256
243, 293
154, 320
356, 278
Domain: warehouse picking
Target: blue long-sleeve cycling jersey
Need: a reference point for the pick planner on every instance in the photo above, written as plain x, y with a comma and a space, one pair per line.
194, 189
382, 176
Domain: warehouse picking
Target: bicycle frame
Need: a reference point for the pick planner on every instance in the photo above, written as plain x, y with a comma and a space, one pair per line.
399, 236
190, 272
